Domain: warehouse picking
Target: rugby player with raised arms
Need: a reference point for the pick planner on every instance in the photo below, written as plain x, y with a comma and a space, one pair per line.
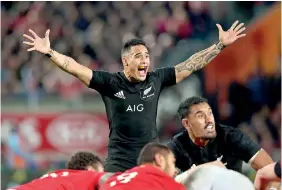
131, 96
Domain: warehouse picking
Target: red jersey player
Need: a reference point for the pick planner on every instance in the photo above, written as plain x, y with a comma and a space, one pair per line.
155, 172
84, 172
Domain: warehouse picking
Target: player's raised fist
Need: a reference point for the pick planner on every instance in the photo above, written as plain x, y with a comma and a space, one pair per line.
39, 44
231, 35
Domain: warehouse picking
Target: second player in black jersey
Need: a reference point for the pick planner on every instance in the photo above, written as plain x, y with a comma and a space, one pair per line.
204, 140
131, 96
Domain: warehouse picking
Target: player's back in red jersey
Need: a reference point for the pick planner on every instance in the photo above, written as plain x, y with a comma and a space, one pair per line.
64, 179
144, 177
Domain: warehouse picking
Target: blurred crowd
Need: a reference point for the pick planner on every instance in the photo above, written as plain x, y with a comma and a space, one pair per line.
93, 33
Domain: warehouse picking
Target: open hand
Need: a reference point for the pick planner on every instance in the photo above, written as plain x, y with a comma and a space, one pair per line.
39, 44
231, 35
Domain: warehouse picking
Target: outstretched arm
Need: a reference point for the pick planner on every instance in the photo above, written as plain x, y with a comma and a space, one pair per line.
64, 62
202, 58
197, 61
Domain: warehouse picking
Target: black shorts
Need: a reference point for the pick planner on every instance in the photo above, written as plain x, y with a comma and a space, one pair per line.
114, 165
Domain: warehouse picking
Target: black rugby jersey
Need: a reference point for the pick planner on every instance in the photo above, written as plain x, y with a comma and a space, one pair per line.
231, 146
131, 108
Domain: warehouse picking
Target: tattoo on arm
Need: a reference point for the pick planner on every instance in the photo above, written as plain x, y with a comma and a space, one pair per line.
51, 55
70, 66
66, 63
51, 52
62, 63
200, 59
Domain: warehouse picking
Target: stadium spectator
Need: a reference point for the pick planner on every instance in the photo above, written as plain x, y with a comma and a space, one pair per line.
65, 21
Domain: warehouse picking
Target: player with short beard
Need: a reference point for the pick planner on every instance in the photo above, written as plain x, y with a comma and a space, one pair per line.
204, 140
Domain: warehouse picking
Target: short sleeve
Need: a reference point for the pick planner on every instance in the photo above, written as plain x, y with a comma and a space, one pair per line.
242, 145
100, 81
166, 76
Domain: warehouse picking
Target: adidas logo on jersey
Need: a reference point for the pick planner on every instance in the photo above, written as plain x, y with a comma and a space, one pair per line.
119, 95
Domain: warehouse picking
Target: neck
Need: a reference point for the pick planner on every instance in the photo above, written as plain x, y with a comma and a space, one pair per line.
127, 75
200, 142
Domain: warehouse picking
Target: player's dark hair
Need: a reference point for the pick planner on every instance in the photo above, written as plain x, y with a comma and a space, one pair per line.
132, 42
149, 151
184, 107
82, 160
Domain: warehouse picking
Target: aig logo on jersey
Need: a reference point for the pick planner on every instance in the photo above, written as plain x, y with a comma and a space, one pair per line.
147, 93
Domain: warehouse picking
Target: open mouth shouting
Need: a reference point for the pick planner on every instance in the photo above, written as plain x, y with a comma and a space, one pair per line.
142, 70
210, 128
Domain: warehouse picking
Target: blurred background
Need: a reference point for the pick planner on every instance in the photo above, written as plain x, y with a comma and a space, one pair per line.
47, 114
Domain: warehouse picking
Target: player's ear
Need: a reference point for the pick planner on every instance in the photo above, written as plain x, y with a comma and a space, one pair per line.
158, 160
124, 61
185, 123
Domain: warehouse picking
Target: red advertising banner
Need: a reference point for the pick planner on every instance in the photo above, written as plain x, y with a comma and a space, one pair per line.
58, 133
